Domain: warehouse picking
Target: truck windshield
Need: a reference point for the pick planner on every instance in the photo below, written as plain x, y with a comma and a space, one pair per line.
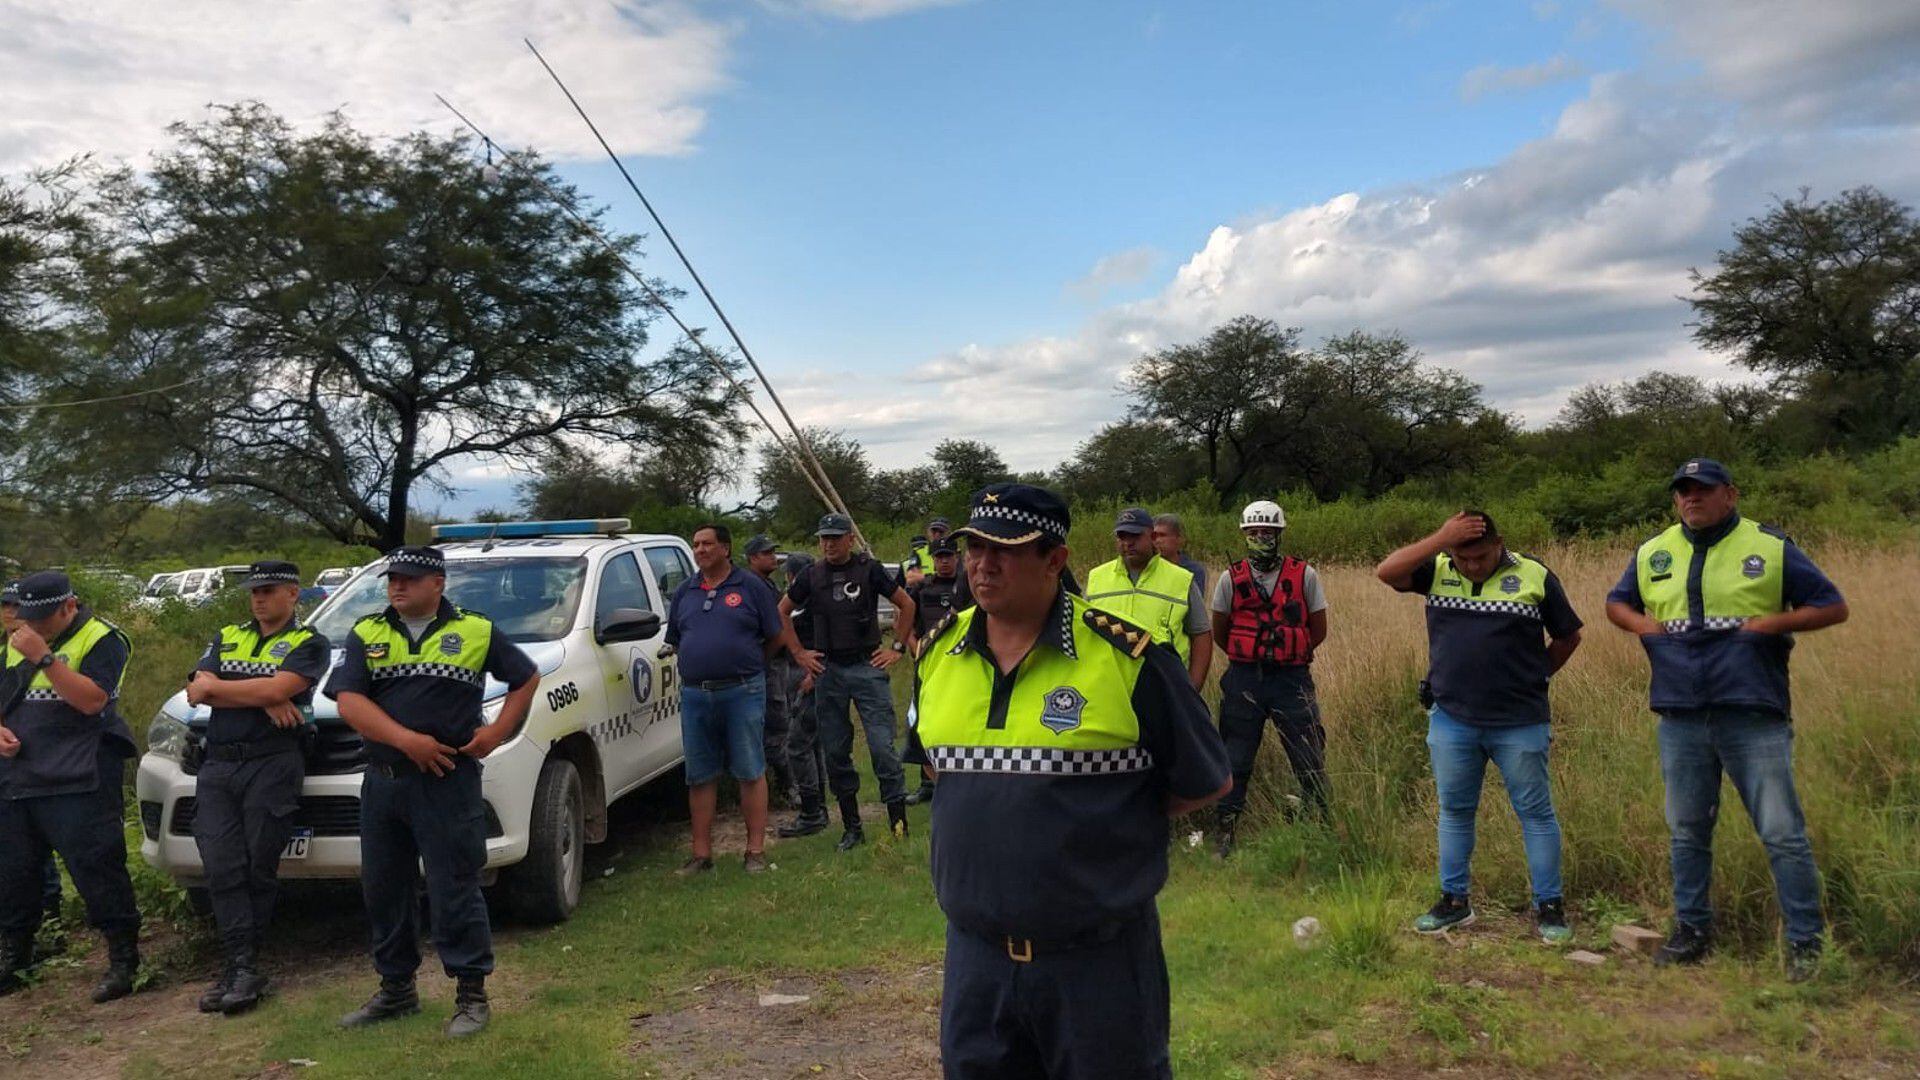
529, 599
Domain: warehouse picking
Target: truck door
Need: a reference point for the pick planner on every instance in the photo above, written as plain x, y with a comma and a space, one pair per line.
670, 565
631, 675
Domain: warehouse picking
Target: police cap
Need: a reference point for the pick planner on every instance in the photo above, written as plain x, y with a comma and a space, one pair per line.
1009, 513
42, 594
834, 525
760, 542
270, 572
415, 561
10, 593
1700, 470
943, 546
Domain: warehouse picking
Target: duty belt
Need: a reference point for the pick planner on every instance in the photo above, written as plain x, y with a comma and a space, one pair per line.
1024, 949
249, 751
720, 684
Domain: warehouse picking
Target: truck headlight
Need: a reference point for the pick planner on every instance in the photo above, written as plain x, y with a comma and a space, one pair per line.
167, 736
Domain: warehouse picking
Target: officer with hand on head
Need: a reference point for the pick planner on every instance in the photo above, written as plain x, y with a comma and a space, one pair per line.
411, 681
258, 678
63, 750
1064, 738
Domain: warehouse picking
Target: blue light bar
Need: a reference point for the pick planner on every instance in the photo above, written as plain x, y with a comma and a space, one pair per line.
503, 530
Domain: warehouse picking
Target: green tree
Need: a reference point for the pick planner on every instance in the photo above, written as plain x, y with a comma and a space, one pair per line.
784, 489
354, 318
1131, 461
967, 465
1825, 296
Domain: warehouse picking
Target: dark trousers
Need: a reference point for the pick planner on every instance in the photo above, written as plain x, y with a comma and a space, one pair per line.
50, 890
409, 818
1095, 1012
88, 832
1252, 696
242, 820
866, 688
801, 749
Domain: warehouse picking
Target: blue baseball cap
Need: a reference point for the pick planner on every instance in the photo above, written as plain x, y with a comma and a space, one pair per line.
1133, 519
1701, 470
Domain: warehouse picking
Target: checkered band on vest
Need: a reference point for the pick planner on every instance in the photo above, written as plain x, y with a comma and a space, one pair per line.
42, 694
1025, 517
248, 667
1039, 760
438, 671
1487, 607
1713, 622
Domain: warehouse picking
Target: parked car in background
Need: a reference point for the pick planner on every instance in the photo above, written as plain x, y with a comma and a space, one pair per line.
331, 579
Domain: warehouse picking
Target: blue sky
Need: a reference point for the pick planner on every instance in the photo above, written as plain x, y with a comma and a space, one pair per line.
967, 217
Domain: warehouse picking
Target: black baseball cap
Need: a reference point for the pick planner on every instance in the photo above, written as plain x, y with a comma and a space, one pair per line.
270, 572
943, 546
834, 525
42, 594
759, 542
1133, 519
1010, 514
415, 561
1701, 470
940, 523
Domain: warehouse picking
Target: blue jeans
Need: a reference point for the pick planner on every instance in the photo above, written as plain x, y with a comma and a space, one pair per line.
866, 688
724, 730
1755, 749
1460, 754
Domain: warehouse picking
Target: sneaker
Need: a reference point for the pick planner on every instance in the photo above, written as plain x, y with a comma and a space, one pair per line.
1803, 960
1451, 912
1688, 945
1552, 923
755, 862
696, 864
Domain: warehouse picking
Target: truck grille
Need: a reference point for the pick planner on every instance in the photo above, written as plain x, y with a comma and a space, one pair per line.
326, 815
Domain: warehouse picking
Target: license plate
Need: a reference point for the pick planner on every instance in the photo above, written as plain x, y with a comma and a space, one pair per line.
297, 846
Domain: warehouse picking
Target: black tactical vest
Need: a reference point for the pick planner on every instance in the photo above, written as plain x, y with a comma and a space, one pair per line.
845, 612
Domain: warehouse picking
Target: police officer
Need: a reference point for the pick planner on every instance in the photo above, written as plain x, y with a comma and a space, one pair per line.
1716, 600
13, 683
917, 563
842, 592
1170, 540
1486, 694
804, 754
1270, 614
1147, 590
1064, 738
783, 677
63, 749
411, 681
933, 601
258, 678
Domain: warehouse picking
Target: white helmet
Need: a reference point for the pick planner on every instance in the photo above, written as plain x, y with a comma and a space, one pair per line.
1263, 514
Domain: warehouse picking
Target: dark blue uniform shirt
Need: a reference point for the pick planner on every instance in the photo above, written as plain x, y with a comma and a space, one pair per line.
722, 633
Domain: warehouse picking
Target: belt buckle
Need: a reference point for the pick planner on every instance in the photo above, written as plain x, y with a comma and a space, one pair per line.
1020, 950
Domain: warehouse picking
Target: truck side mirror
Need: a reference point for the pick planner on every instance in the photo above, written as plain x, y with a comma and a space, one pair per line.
626, 624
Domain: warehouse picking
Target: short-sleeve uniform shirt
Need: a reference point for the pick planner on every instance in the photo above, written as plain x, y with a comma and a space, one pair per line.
722, 632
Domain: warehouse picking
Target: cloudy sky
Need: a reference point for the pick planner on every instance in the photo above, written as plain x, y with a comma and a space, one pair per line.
967, 217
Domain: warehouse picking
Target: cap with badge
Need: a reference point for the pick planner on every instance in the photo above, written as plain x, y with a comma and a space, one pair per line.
760, 543
10, 593
834, 525
41, 594
270, 572
415, 561
943, 546
1134, 520
1010, 514
940, 523
1703, 471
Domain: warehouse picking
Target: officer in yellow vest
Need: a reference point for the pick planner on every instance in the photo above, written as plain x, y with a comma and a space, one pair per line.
1716, 600
410, 681
63, 750
258, 678
12, 682
1064, 738
1147, 590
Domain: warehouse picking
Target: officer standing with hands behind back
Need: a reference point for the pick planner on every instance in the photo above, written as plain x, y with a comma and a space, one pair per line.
411, 681
258, 676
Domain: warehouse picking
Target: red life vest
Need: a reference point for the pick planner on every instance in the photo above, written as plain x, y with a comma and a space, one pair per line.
1269, 629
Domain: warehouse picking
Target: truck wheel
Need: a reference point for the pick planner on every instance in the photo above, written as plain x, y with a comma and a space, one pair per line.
545, 886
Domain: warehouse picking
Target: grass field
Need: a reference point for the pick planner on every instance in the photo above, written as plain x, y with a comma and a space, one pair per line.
660, 976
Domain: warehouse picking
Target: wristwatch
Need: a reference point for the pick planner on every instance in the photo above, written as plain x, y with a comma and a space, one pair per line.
899, 646
46, 661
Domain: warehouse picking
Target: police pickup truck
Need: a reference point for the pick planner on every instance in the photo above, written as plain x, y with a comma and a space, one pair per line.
586, 600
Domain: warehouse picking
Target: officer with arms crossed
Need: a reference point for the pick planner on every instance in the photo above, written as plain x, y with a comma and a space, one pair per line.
63, 749
13, 684
1147, 590
1486, 694
933, 601
410, 681
1716, 600
1064, 738
1270, 614
842, 593
257, 676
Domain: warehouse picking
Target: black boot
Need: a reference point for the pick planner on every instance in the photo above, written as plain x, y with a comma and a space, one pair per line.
249, 983
394, 999
470, 1009
922, 795
1687, 945
123, 965
16, 956
897, 818
1224, 823
853, 837
210, 1000
811, 819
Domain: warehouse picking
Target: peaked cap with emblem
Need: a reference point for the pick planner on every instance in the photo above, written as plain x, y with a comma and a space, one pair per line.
42, 594
415, 561
1703, 471
269, 572
1013, 514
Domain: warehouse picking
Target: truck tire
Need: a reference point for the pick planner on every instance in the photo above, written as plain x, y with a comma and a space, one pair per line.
545, 886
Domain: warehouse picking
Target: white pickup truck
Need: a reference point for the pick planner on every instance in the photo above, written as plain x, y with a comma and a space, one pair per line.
586, 600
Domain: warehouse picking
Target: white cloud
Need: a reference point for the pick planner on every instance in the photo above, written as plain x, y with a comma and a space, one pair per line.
1494, 79
1115, 271
107, 76
859, 10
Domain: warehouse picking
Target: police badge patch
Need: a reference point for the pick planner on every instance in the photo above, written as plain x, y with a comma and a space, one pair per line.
450, 644
280, 650
377, 651
1661, 562
1510, 584
1061, 712
1753, 566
